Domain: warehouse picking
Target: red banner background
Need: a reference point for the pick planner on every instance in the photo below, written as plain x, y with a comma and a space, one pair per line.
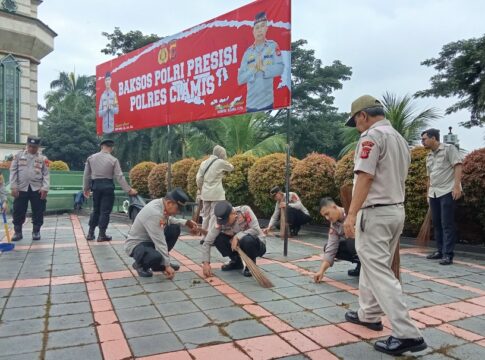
193, 75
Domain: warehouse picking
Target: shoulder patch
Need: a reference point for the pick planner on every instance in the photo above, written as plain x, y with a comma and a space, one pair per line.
366, 148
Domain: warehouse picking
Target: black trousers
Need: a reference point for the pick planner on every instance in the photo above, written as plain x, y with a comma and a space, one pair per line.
103, 200
443, 217
346, 251
147, 257
20, 205
251, 245
297, 218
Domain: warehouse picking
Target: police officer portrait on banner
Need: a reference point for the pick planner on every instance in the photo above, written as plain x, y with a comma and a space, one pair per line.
108, 106
155, 232
376, 220
29, 181
260, 64
235, 227
99, 171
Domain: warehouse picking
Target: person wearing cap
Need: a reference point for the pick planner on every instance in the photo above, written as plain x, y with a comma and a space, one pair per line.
236, 227
298, 214
376, 220
337, 246
29, 181
108, 106
99, 171
444, 169
209, 182
260, 64
155, 232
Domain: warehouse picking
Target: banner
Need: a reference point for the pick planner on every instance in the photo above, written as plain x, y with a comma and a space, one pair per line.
236, 63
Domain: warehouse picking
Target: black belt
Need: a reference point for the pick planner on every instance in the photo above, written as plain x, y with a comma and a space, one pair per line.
379, 205
103, 181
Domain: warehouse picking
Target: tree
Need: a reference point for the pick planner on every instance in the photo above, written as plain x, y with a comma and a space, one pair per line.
69, 85
404, 117
120, 43
461, 73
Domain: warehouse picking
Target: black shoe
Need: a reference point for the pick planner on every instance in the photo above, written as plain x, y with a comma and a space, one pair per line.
447, 260
435, 256
142, 272
233, 265
176, 267
90, 236
17, 236
103, 237
36, 236
201, 242
353, 317
246, 272
354, 272
396, 347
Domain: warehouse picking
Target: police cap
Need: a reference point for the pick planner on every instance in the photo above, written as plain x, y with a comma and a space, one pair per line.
260, 17
177, 195
107, 142
362, 103
108, 74
275, 190
222, 210
33, 140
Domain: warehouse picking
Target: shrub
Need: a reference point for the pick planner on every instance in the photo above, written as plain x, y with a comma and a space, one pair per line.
5, 164
157, 181
236, 182
344, 170
313, 178
179, 173
192, 176
139, 177
416, 203
265, 173
58, 165
473, 184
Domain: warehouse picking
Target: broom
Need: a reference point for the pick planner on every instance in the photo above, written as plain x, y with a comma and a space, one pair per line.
255, 270
346, 198
424, 234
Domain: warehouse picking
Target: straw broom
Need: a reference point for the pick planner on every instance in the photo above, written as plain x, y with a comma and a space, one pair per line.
255, 270
346, 198
424, 234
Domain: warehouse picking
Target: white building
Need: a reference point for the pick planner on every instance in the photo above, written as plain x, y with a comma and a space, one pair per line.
24, 41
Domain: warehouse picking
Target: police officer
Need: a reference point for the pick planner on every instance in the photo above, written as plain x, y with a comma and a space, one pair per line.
99, 171
236, 227
337, 246
261, 62
155, 232
29, 181
298, 214
376, 219
108, 106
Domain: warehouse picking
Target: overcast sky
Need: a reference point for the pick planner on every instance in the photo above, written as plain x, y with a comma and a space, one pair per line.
384, 41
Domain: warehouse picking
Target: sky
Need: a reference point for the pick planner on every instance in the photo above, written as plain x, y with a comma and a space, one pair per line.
384, 41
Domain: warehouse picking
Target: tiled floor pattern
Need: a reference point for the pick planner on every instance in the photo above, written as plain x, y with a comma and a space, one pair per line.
64, 297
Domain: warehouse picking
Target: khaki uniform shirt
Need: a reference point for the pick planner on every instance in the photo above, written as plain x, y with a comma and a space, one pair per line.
246, 224
103, 165
29, 170
149, 226
383, 153
335, 234
440, 167
294, 202
211, 183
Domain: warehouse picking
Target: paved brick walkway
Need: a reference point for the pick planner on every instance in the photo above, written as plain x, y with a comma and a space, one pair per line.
65, 298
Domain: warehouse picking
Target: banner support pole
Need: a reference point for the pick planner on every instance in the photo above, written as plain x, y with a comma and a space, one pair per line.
169, 160
287, 179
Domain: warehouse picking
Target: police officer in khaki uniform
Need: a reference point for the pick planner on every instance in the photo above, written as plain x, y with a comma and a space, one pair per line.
99, 171
376, 219
29, 181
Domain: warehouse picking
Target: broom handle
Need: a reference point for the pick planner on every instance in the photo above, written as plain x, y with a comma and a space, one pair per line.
5, 225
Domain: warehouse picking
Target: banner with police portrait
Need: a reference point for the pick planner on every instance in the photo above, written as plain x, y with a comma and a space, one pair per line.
236, 63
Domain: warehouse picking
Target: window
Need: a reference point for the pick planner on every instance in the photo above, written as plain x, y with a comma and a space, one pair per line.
9, 100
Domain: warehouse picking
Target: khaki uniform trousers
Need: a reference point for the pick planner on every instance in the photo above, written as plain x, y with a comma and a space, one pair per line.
208, 218
377, 235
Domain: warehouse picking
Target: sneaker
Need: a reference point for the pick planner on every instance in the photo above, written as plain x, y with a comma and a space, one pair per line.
233, 265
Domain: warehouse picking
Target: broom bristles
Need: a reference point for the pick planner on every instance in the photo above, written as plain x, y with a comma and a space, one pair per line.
425, 231
255, 270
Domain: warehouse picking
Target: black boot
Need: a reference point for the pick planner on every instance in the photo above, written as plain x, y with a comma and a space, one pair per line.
354, 272
18, 233
235, 264
36, 233
90, 235
102, 236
